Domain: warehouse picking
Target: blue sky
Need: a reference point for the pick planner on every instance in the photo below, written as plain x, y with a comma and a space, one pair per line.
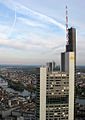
33, 31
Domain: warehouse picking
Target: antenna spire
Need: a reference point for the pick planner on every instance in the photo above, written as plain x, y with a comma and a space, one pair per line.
67, 42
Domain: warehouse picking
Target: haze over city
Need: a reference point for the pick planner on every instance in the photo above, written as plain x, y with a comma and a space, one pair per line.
33, 32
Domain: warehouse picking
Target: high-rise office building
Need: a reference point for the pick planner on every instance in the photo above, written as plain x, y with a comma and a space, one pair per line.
55, 93
51, 66
55, 90
70, 47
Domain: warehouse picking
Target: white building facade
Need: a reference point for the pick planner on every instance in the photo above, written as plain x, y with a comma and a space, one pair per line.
56, 92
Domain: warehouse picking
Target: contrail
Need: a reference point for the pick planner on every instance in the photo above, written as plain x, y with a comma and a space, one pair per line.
43, 17
12, 27
27, 11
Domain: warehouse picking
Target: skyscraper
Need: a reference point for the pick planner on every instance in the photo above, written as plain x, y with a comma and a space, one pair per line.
55, 91
70, 47
50, 66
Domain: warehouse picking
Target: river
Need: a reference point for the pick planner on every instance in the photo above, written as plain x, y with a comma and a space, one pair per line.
4, 85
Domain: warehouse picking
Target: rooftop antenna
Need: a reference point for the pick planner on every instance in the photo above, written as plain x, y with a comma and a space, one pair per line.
67, 42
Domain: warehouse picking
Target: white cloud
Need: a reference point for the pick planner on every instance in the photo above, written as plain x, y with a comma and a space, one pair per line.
30, 22
13, 25
14, 44
36, 43
36, 15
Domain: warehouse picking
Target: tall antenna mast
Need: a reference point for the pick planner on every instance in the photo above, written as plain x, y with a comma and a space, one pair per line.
67, 42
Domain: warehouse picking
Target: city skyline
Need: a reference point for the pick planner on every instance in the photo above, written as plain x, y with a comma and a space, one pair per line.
33, 32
